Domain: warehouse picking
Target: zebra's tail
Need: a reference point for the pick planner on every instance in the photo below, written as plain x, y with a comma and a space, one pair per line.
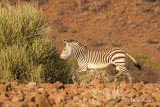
135, 62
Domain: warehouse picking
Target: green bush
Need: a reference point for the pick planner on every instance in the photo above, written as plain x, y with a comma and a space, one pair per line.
21, 24
25, 54
39, 63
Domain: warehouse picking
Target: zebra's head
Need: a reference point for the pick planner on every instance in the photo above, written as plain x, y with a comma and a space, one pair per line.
67, 50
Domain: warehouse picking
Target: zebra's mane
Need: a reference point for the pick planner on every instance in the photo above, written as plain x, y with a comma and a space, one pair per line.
76, 43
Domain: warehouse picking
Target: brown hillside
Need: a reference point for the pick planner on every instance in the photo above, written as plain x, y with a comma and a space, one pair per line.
132, 25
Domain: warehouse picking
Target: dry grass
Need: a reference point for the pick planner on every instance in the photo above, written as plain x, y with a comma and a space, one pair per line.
97, 96
86, 77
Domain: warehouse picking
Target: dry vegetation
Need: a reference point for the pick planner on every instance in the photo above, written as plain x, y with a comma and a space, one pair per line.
26, 53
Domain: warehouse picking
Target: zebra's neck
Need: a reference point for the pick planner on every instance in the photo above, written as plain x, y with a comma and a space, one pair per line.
78, 52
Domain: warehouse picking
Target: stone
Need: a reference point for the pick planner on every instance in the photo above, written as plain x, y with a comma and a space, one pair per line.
17, 98
58, 98
95, 82
58, 85
14, 84
156, 96
137, 104
28, 98
129, 86
3, 96
31, 104
51, 99
152, 104
3, 88
31, 84
18, 104
44, 102
123, 84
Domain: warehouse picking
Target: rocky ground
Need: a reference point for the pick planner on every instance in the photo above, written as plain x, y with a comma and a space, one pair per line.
95, 94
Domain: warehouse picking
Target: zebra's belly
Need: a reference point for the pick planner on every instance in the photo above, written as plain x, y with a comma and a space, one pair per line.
97, 66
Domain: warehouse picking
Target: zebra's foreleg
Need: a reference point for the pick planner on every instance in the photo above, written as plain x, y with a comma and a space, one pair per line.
92, 72
80, 69
74, 75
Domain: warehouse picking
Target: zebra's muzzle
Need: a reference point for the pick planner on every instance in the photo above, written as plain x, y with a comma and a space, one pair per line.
62, 57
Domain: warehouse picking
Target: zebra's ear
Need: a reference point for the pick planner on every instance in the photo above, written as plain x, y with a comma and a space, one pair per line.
65, 41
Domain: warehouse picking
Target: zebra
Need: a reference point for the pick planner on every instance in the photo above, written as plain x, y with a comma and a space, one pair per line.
97, 59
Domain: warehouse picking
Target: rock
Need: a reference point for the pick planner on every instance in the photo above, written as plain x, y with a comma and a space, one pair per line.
31, 84
68, 105
51, 99
130, 95
3, 88
156, 96
31, 104
18, 104
3, 96
40, 89
58, 85
71, 88
95, 82
14, 84
129, 86
100, 86
8, 104
17, 98
123, 84
28, 98
137, 104
141, 83
8, 86
58, 98
44, 102
152, 104
101, 98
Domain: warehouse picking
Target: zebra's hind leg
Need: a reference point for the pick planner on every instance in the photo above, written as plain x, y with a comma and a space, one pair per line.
92, 72
120, 72
125, 71
127, 74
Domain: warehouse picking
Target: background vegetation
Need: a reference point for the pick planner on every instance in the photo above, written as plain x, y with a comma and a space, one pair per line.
25, 54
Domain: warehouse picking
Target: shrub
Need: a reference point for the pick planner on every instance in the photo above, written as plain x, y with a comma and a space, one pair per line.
25, 54
21, 24
39, 63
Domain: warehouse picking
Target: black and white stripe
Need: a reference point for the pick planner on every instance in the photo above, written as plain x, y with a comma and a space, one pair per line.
97, 59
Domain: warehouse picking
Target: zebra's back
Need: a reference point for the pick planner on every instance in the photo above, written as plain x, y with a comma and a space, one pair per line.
102, 58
